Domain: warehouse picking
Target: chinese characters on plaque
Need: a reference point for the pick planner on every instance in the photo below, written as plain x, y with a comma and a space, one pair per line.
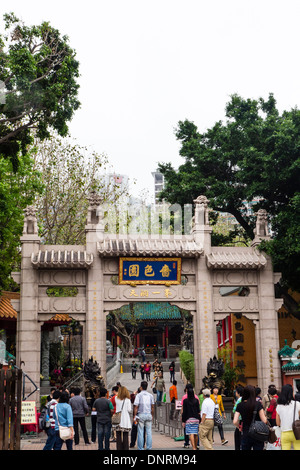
150, 271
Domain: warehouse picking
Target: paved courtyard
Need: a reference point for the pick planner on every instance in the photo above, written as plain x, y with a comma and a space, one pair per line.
160, 441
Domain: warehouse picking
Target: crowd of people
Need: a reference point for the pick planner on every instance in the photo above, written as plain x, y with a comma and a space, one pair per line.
274, 409
126, 418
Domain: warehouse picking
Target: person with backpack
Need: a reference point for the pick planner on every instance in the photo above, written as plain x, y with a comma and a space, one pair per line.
266, 400
49, 418
271, 410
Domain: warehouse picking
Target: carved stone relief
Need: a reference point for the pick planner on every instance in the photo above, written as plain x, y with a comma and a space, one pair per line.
149, 293
62, 278
242, 278
62, 304
235, 304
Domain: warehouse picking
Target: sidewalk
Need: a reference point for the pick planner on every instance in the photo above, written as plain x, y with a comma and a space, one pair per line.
132, 384
159, 442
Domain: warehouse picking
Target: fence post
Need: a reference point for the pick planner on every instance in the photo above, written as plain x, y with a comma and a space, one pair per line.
10, 409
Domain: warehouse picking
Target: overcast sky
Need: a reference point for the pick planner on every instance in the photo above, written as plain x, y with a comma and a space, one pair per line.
145, 65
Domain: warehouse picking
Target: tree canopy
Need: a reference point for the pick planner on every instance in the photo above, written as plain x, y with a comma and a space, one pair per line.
17, 190
253, 156
38, 72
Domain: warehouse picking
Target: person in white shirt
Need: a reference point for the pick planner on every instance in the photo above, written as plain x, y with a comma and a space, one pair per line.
207, 421
143, 411
287, 411
123, 405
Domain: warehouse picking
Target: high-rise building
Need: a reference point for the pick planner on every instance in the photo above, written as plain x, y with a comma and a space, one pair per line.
158, 185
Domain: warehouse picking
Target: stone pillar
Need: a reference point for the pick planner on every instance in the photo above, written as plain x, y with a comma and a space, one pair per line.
204, 326
28, 327
267, 335
45, 359
269, 371
95, 330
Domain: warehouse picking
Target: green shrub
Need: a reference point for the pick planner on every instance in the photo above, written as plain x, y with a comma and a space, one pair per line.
187, 365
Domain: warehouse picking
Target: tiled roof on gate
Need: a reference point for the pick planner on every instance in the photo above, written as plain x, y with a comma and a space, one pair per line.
291, 367
235, 259
161, 246
7, 312
55, 258
151, 311
6, 309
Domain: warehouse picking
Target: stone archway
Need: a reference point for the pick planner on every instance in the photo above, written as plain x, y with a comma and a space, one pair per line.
94, 268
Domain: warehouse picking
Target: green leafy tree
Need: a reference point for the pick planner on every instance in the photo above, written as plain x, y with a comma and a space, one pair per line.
187, 365
69, 173
38, 70
17, 191
253, 155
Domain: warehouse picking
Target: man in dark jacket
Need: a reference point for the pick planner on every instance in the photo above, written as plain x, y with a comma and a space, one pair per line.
80, 410
105, 410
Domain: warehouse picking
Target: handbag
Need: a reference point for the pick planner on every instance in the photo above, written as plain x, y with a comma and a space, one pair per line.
259, 430
272, 436
64, 431
296, 425
116, 417
217, 417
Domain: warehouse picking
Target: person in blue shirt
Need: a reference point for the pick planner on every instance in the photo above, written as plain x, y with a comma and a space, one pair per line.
63, 412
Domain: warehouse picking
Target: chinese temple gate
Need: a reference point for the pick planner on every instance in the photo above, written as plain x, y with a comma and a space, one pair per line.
110, 271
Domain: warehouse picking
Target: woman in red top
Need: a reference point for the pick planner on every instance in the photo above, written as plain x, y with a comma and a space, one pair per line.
147, 370
271, 410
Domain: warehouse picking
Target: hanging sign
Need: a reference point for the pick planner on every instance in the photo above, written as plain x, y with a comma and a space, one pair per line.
150, 271
28, 413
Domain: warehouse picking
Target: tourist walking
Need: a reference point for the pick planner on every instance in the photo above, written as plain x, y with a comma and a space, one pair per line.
123, 406
271, 410
266, 400
238, 430
186, 438
160, 387
245, 410
80, 409
217, 398
105, 410
133, 369
172, 371
147, 370
63, 417
51, 435
142, 370
173, 397
143, 412
258, 392
287, 411
94, 417
207, 420
114, 393
191, 417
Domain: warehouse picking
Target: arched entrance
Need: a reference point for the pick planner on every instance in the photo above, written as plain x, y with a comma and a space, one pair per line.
61, 350
158, 327
95, 270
